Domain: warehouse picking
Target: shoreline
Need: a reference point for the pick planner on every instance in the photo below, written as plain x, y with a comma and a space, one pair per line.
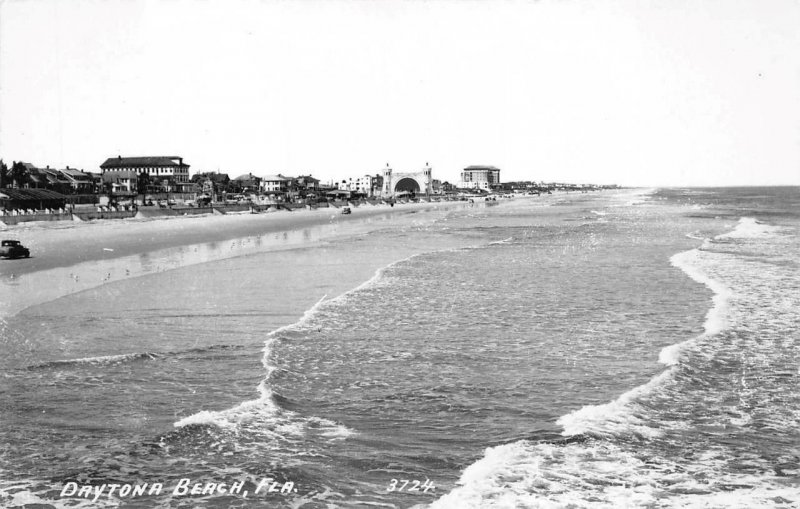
63, 244
71, 257
83, 256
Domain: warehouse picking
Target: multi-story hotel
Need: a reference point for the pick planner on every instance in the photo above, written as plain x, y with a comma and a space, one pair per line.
480, 177
157, 167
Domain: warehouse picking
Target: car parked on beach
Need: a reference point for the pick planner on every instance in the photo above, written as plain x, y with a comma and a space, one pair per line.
346, 210
13, 249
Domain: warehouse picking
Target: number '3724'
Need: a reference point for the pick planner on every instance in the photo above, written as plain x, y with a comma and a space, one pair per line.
410, 485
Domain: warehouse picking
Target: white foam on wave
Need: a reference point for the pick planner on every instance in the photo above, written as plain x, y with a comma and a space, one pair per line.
689, 262
258, 409
749, 228
372, 282
599, 473
617, 418
547, 475
499, 242
603, 475
522, 474
100, 360
639, 196
269, 418
264, 409
620, 417
26, 494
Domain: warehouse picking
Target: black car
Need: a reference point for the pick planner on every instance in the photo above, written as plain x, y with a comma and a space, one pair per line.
13, 249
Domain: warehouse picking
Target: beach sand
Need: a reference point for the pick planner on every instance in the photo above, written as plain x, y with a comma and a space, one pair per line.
71, 257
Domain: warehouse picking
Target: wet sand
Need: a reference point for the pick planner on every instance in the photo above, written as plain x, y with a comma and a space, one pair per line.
62, 244
69, 257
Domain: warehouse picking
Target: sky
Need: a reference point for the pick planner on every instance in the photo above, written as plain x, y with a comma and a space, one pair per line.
636, 93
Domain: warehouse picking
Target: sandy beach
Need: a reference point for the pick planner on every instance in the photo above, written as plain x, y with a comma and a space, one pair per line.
69, 257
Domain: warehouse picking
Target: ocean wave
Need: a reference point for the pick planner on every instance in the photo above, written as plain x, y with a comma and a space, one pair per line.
595, 471
639, 196
108, 360
266, 408
103, 360
264, 416
695, 235
31, 493
599, 474
263, 405
621, 416
689, 262
749, 228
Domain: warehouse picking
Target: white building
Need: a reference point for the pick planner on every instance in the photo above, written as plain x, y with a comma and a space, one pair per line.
365, 185
479, 177
157, 167
275, 184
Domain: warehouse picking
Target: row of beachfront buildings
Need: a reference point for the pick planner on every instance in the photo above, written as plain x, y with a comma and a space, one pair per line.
128, 176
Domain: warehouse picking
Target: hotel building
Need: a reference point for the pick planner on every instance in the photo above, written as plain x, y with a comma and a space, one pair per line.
158, 168
479, 177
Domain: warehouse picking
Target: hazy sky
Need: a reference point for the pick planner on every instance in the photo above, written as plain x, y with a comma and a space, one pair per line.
670, 92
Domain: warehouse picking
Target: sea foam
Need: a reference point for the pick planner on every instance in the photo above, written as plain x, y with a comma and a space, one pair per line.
748, 227
549, 475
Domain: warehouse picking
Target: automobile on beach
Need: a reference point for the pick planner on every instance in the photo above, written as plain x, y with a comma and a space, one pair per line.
346, 210
13, 249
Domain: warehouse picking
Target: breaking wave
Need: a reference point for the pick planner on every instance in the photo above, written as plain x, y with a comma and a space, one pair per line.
602, 469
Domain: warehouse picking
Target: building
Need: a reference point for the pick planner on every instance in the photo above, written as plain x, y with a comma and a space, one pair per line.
212, 182
306, 186
247, 183
171, 171
31, 199
122, 182
406, 183
275, 184
79, 181
42, 178
368, 185
480, 177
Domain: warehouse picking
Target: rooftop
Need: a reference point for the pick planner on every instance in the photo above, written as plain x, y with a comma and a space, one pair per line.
136, 162
120, 175
481, 168
31, 194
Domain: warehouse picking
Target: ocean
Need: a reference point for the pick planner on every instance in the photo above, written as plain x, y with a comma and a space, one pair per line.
633, 348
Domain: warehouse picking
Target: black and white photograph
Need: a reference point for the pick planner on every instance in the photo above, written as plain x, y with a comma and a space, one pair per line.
445, 254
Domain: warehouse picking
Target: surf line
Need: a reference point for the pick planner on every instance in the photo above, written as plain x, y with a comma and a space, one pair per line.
233, 417
618, 416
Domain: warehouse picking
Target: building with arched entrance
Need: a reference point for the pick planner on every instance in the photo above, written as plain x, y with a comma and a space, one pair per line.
414, 182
